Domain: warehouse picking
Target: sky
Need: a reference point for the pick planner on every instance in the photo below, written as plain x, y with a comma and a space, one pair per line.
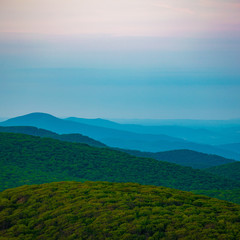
150, 59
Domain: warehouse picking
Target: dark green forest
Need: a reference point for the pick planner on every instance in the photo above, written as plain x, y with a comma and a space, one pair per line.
101, 210
26, 159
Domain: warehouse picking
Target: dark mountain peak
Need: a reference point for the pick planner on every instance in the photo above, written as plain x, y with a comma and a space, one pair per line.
35, 116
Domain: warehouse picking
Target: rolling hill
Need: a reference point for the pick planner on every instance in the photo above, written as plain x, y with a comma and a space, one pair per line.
116, 138
26, 159
184, 157
101, 210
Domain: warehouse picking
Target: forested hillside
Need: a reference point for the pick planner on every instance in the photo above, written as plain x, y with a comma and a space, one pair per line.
101, 210
26, 159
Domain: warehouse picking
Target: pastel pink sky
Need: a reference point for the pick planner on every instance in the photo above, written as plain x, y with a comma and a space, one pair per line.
125, 18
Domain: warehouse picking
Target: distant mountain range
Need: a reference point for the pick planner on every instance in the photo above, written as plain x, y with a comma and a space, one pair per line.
182, 122
115, 137
49, 122
213, 135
